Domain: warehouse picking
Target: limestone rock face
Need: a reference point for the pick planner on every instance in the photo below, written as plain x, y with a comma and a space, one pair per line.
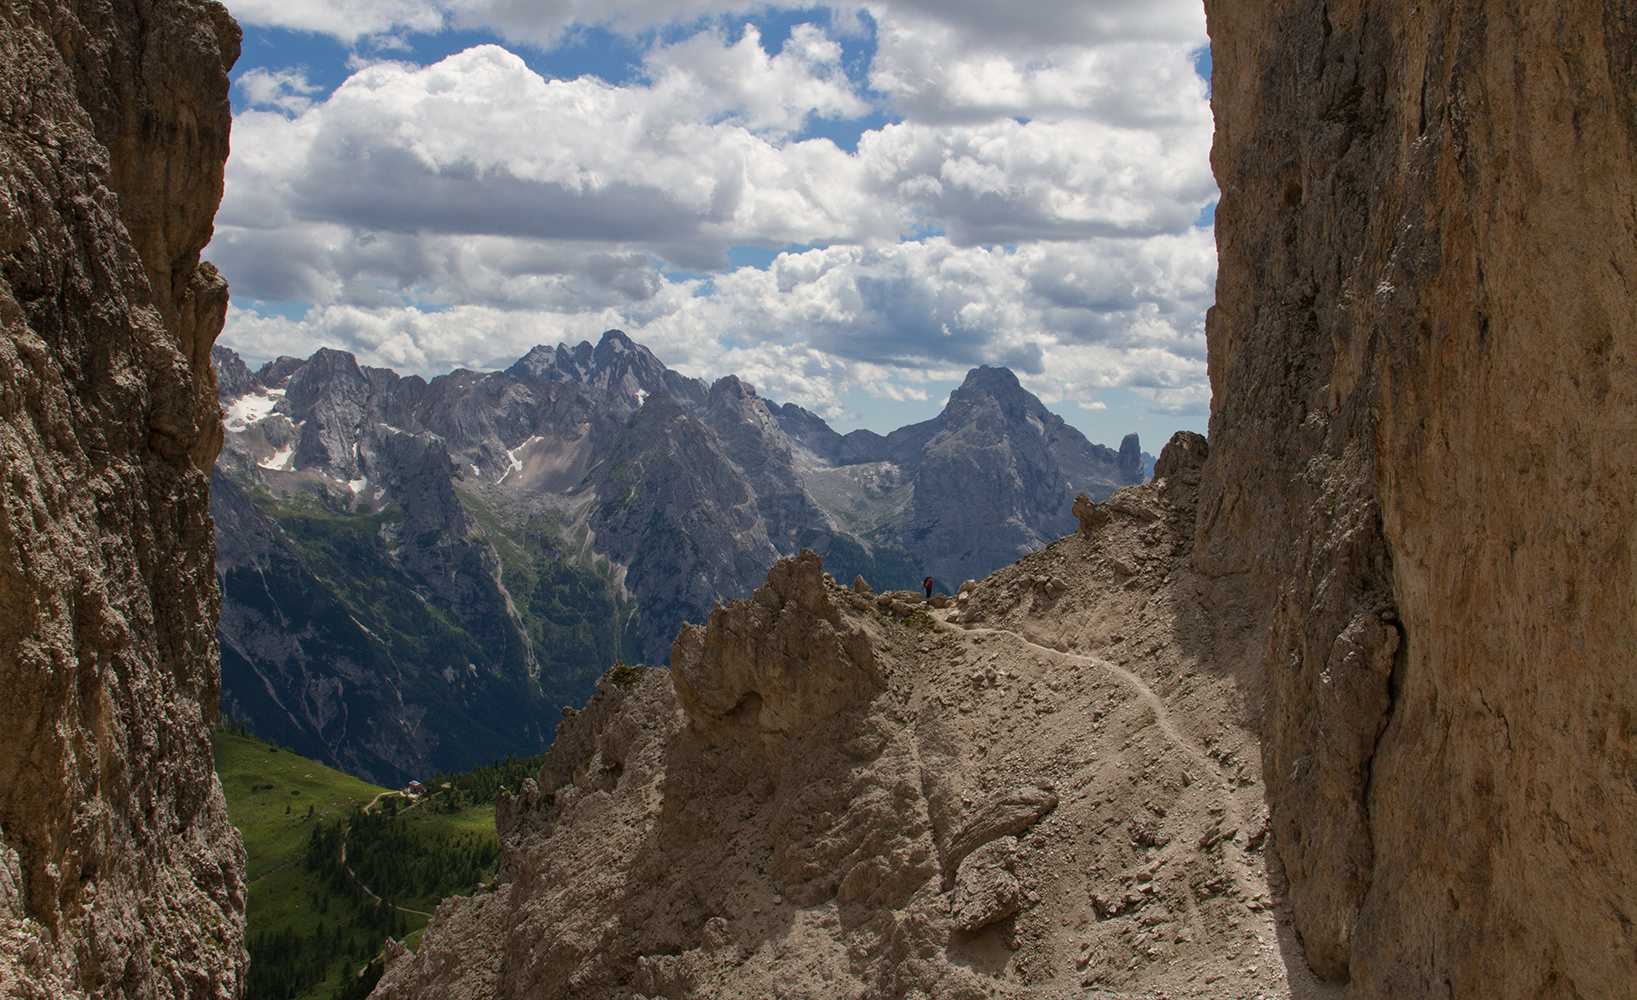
673, 507
1420, 477
789, 654
750, 436
119, 873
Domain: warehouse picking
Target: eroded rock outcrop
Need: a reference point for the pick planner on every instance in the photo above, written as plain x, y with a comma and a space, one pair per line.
834, 796
119, 873
788, 654
1421, 477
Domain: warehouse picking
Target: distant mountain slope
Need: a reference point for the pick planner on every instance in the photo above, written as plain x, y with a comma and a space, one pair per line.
335, 643
998, 478
417, 574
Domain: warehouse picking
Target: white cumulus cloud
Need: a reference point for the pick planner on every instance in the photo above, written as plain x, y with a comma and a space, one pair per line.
1069, 318
1030, 202
286, 89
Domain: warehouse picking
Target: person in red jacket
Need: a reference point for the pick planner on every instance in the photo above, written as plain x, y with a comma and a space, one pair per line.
927, 583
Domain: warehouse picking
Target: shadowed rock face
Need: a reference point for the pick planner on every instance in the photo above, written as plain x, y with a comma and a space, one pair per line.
119, 874
1421, 467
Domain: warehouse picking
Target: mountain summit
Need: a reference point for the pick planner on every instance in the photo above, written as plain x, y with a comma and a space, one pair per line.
618, 367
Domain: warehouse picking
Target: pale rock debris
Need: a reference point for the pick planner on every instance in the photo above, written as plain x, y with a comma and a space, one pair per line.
996, 799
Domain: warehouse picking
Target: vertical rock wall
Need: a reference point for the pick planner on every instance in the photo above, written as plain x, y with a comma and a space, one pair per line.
119, 874
1423, 432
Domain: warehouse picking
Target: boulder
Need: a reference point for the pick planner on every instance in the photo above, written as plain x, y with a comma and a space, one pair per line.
1184, 453
1091, 514
986, 889
1003, 814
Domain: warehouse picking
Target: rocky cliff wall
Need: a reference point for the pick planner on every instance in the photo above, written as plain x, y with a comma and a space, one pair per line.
1422, 452
119, 874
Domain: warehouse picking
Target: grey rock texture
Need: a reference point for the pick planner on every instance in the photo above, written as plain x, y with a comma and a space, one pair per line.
119, 873
1420, 480
748, 432
297, 661
1131, 460
674, 508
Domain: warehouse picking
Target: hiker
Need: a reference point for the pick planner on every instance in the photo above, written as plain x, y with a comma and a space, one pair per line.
927, 583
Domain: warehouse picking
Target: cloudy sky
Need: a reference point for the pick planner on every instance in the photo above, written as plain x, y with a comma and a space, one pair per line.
847, 205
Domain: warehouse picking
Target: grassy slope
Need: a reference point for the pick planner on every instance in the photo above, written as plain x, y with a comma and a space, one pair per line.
269, 792
262, 782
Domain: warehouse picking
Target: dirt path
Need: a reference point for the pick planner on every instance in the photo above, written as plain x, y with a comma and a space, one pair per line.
1233, 821
1113, 607
354, 876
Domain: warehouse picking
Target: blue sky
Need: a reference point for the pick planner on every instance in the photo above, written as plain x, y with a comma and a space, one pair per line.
849, 206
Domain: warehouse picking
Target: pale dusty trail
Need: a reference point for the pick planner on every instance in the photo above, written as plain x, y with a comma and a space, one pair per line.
1233, 821
367, 890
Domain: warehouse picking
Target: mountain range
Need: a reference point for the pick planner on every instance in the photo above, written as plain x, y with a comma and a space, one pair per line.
417, 574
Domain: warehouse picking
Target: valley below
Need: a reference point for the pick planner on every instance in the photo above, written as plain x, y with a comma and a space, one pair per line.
337, 867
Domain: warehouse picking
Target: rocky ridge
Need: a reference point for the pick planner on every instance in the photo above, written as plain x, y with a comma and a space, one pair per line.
119, 873
1402, 594
1046, 787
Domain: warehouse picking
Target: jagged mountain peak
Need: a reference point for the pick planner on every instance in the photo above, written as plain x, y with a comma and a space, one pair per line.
734, 392
732, 384
233, 376
617, 366
274, 374
321, 374
1131, 454
615, 342
987, 388
990, 378
596, 456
